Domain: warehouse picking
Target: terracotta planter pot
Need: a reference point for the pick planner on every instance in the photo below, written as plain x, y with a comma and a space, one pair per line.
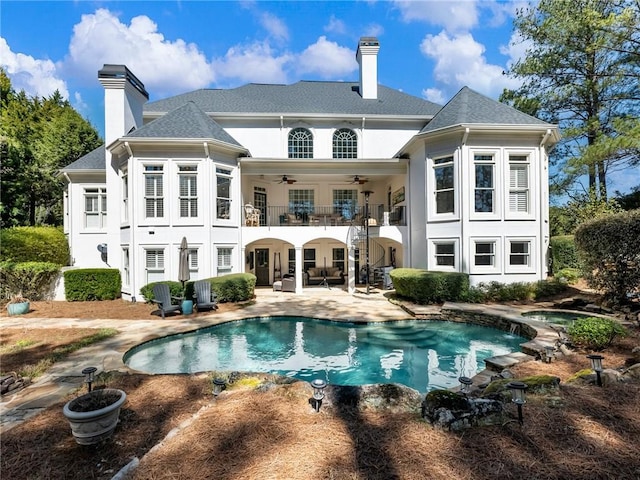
18, 308
90, 427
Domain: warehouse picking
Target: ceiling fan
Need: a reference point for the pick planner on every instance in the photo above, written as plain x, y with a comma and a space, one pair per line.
359, 180
287, 180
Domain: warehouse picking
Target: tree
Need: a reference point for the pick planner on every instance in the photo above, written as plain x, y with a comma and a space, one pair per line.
581, 209
38, 137
582, 71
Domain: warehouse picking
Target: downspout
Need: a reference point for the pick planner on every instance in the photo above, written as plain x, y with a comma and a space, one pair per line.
132, 226
544, 220
462, 242
362, 139
209, 200
70, 219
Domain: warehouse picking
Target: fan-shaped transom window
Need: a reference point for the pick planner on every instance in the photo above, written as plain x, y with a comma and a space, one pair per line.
345, 144
300, 143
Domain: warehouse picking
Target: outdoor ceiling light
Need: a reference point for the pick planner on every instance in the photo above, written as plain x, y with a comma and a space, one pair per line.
218, 386
518, 396
89, 376
318, 392
548, 352
465, 384
596, 365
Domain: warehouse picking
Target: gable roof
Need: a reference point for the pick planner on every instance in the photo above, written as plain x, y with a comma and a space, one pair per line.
469, 107
94, 160
186, 122
338, 98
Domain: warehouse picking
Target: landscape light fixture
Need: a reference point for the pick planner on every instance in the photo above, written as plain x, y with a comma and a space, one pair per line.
518, 396
548, 352
89, 376
465, 384
218, 386
366, 194
318, 392
596, 365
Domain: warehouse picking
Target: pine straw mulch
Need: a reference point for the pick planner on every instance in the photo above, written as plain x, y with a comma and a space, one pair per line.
579, 432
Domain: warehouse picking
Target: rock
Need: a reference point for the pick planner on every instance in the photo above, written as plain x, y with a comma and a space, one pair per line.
631, 374
636, 353
391, 397
506, 373
451, 411
610, 377
592, 307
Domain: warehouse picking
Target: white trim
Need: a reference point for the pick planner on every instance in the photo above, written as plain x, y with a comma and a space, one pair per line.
532, 258
497, 184
432, 215
497, 256
533, 178
432, 254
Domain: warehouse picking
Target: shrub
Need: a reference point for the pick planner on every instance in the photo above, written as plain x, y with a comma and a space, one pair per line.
595, 333
34, 244
563, 253
549, 287
175, 288
567, 275
423, 286
235, 287
609, 249
92, 284
34, 280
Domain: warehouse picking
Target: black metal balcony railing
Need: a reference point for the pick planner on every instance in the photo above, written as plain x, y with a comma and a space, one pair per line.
323, 216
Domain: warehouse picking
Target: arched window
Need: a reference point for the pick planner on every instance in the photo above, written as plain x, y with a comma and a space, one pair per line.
345, 144
300, 143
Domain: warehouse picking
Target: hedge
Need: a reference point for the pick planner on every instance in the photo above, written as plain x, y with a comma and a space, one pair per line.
34, 280
92, 284
423, 286
563, 253
235, 287
34, 244
609, 249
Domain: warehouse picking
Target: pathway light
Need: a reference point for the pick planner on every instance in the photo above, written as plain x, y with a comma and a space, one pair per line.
548, 352
596, 365
89, 376
465, 384
518, 396
218, 386
318, 392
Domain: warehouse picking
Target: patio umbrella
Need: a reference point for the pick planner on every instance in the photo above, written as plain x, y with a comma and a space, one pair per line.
183, 266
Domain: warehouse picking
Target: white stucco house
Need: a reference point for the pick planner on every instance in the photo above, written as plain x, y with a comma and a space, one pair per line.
279, 179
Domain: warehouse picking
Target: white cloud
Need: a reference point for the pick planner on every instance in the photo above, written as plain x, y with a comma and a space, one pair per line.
454, 16
165, 66
335, 25
460, 61
276, 27
434, 95
327, 59
256, 62
36, 77
516, 49
373, 30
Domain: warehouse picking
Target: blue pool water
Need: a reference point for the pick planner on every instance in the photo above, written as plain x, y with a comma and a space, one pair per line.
420, 354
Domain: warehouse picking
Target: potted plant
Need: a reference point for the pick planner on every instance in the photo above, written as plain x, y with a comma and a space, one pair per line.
18, 305
93, 416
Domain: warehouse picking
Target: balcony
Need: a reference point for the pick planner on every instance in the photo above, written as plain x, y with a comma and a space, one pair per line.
322, 216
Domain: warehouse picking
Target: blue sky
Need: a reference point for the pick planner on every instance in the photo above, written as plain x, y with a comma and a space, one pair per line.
429, 48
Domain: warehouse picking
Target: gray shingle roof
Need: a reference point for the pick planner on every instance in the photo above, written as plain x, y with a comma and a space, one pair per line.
338, 98
94, 160
186, 121
469, 107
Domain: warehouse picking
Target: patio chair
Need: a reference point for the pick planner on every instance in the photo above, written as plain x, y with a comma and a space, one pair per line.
289, 284
204, 297
164, 299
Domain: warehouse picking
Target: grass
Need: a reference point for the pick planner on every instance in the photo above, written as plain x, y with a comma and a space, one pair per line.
60, 353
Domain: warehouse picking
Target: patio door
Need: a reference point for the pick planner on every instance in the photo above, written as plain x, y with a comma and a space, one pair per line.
262, 267
260, 202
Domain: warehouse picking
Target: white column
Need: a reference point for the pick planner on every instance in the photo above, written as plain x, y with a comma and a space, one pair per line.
351, 269
299, 269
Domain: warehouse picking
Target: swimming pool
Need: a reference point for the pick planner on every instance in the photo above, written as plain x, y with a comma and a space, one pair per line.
420, 354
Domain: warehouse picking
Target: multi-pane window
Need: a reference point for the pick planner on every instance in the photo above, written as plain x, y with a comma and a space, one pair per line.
518, 183
154, 263
445, 254
188, 191
300, 143
309, 256
485, 254
338, 258
224, 260
223, 193
126, 268
301, 202
444, 185
193, 263
153, 191
345, 144
345, 203
125, 197
95, 208
292, 260
484, 195
520, 253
